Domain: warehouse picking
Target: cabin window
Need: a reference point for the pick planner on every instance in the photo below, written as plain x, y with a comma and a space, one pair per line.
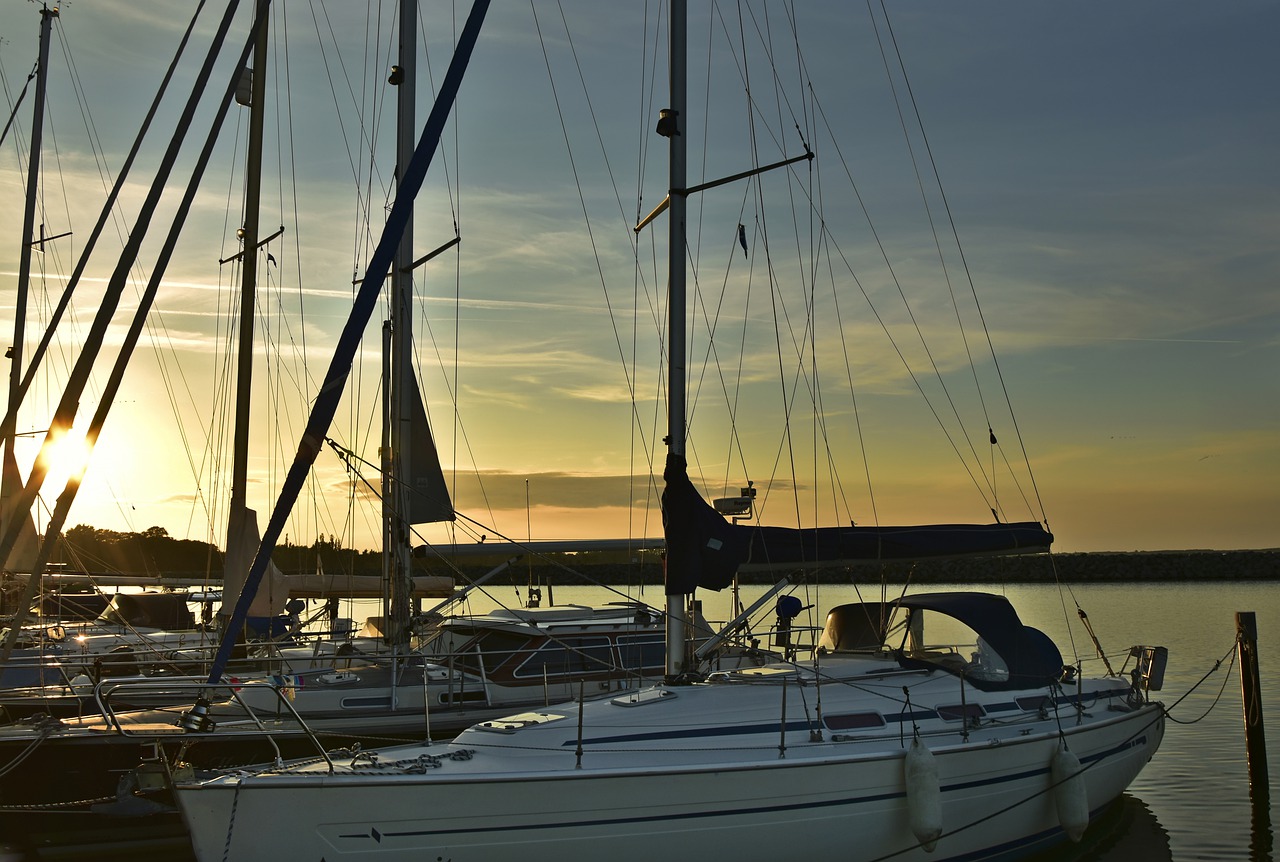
642, 652
496, 647
383, 702
971, 711
568, 657
854, 721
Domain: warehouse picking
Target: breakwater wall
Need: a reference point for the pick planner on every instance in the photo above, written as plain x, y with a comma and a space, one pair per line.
1093, 567
1259, 565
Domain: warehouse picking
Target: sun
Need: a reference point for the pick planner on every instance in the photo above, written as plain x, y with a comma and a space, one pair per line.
65, 458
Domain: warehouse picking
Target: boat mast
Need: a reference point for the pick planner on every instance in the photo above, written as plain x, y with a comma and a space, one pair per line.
367, 297
674, 119
248, 282
10, 464
400, 383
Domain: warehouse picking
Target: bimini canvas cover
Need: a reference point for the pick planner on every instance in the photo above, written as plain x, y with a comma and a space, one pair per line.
1031, 657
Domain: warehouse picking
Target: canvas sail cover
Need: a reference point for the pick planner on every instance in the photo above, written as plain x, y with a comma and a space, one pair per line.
23, 556
705, 550
429, 501
242, 544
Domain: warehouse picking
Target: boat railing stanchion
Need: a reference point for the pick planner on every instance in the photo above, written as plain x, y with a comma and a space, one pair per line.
815, 733
426, 699
782, 725
1080, 696
581, 702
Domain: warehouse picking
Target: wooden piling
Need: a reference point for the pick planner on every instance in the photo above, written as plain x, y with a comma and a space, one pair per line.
1251, 693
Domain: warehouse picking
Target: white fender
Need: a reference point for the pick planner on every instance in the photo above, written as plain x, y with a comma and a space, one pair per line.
1069, 793
924, 798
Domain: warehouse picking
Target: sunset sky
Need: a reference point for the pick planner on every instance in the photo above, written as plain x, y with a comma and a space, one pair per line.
1110, 170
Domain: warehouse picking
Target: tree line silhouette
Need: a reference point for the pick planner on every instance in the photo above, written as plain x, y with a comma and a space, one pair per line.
154, 552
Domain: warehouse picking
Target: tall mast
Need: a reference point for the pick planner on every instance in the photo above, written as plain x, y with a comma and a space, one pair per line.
400, 382
249, 278
10, 465
677, 619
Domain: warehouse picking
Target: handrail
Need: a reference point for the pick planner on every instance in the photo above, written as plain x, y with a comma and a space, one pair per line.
105, 690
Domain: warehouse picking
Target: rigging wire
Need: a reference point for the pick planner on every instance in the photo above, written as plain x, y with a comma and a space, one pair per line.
453, 188
629, 381
317, 499
946, 274
355, 143
879, 318
114, 212
964, 261
21, 96
477, 530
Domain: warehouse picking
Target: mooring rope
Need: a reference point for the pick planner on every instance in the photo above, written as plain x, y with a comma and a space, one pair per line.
46, 728
59, 806
231, 823
1227, 676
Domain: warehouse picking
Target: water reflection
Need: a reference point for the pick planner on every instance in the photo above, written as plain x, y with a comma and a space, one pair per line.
1125, 832
1261, 836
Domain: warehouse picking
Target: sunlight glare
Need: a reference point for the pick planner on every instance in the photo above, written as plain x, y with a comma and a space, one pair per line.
66, 457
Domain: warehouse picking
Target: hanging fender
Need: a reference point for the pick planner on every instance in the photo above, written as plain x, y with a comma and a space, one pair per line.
924, 796
1069, 794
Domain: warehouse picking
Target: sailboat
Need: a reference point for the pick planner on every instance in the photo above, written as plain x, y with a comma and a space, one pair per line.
896, 739
38, 661
138, 631
31, 670
478, 667
473, 666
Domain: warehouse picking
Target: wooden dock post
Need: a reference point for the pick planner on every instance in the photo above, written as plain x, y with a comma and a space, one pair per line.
1261, 837
1251, 693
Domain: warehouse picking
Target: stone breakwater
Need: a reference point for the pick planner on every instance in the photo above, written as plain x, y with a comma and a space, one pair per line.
1094, 567
1260, 565
1088, 568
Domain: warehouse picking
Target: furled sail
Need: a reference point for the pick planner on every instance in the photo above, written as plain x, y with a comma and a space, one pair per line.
326, 403
242, 545
429, 501
705, 550
23, 555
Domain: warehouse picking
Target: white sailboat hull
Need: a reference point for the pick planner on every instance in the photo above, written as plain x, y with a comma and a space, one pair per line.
636, 800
